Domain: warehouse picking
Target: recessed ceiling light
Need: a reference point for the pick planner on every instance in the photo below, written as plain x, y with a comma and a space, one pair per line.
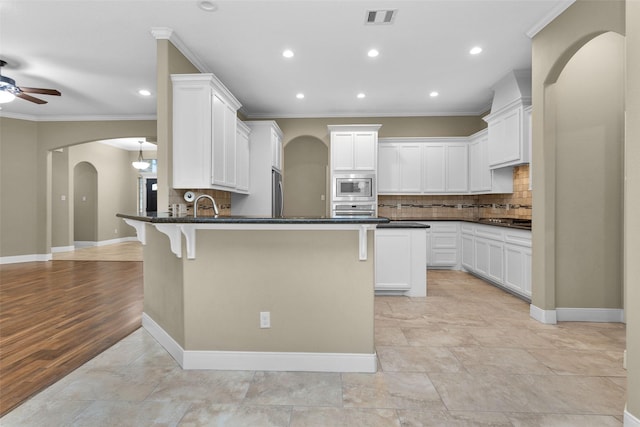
144, 92
433, 94
361, 95
373, 53
475, 50
300, 95
207, 6
287, 53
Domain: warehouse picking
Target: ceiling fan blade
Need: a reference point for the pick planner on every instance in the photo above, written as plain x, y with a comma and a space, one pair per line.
40, 90
31, 98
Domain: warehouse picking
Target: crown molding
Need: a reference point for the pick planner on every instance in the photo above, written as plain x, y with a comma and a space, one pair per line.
165, 33
553, 14
71, 118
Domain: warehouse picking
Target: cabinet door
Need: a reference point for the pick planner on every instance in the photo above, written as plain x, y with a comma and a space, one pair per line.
342, 151
388, 169
393, 260
495, 272
276, 150
467, 252
517, 267
410, 168
479, 171
218, 142
191, 135
229, 147
505, 139
481, 256
457, 168
434, 168
364, 151
242, 161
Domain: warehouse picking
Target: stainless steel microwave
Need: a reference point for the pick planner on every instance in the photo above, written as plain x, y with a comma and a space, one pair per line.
354, 187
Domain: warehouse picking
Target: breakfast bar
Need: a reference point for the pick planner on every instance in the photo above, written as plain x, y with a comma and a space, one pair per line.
255, 293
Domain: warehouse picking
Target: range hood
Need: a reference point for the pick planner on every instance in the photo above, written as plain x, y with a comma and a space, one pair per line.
512, 90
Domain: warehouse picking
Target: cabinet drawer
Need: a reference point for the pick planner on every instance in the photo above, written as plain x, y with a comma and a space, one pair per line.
444, 241
490, 232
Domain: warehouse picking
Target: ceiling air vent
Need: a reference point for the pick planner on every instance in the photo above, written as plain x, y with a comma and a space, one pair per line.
379, 17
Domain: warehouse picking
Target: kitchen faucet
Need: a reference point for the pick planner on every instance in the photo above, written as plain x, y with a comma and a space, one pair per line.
206, 196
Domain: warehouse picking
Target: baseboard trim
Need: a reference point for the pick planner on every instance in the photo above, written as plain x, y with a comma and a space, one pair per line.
25, 258
165, 340
543, 316
91, 244
598, 315
259, 360
630, 420
58, 249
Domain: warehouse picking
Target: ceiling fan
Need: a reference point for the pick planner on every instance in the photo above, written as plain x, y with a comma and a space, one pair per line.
9, 90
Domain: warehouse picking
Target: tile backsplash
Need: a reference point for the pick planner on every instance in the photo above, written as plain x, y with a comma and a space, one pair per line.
512, 205
222, 198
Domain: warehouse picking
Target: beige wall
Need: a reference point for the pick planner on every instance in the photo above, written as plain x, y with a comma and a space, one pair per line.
391, 126
632, 206
27, 159
117, 183
163, 285
589, 175
19, 204
305, 176
238, 274
85, 202
553, 47
61, 230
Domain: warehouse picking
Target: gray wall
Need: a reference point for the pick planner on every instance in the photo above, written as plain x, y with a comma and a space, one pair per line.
85, 202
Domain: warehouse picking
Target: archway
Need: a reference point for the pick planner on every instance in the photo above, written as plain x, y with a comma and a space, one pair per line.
584, 142
85, 204
305, 177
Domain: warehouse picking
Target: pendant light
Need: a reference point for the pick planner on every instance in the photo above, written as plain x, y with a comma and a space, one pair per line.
141, 163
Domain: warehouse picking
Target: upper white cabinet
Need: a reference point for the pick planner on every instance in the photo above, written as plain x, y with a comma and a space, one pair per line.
508, 144
483, 179
204, 133
399, 168
423, 166
276, 148
264, 136
243, 162
354, 147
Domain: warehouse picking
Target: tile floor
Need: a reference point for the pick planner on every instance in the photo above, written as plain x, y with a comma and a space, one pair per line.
467, 355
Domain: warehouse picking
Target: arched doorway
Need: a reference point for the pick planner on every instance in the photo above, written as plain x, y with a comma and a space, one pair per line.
305, 177
584, 136
85, 204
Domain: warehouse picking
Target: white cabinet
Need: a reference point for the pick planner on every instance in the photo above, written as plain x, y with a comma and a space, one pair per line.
483, 179
507, 142
276, 149
442, 244
399, 168
499, 254
354, 147
445, 168
400, 266
423, 166
242, 157
204, 133
261, 140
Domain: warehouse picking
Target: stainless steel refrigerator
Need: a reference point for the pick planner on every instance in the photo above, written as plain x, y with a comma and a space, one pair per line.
277, 194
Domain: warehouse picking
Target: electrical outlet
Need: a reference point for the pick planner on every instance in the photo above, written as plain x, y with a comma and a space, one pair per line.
399, 206
115, 231
265, 319
459, 206
322, 197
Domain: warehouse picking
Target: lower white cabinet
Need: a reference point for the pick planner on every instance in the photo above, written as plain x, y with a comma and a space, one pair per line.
442, 244
400, 264
498, 254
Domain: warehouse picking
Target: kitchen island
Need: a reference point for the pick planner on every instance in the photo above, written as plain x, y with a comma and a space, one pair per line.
251, 293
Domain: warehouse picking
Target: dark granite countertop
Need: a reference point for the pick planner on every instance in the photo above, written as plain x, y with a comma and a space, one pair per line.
403, 224
499, 222
168, 218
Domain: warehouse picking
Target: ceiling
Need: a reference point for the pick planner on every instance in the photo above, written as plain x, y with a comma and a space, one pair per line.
99, 53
